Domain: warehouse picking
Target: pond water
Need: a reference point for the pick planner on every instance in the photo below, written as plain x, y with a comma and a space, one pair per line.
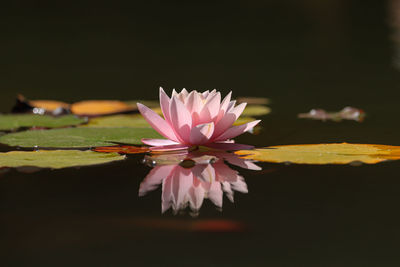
301, 55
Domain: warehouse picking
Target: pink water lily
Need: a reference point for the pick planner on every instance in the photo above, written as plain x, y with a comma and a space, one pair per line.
192, 119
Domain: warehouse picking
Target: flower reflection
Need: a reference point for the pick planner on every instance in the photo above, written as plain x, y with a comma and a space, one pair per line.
188, 179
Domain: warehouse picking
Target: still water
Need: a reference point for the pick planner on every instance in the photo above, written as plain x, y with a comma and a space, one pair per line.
300, 54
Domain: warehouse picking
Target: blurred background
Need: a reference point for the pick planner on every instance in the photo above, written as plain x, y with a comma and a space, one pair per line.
299, 53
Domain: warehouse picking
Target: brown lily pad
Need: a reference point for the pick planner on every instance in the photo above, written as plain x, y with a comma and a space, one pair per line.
100, 107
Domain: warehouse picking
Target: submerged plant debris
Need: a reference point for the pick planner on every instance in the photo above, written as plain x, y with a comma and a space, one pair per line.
122, 149
347, 113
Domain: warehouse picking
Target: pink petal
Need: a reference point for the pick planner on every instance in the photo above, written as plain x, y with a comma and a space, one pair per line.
211, 108
237, 130
224, 173
228, 120
208, 174
164, 104
223, 107
155, 178
243, 163
211, 94
182, 181
194, 102
158, 123
181, 119
240, 185
184, 93
231, 105
166, 193
201, 133
215, 194
225, 102
158, 142
196, 197
205, 93
198, 170
226, 187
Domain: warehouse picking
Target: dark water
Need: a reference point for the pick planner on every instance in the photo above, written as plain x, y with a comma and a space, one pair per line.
301, 54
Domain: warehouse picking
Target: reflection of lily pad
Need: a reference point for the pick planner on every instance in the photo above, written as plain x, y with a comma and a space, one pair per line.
14, 121
324, 153
135, 120
55, 159
78, 137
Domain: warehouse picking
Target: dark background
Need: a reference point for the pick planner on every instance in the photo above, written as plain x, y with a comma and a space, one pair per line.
326, 53
301, 54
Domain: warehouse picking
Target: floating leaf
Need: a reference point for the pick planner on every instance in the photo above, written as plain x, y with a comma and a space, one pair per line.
135, 120
122, 149
78, 137
256, 110
55, 159
348, 113
253, 100
14, 121
343, 153
100, 107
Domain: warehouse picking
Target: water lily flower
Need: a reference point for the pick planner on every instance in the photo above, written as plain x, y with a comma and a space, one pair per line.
193, 119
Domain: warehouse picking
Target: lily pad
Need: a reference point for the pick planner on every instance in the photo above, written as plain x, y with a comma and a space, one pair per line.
10, 122
343, 153
100, 107
78, 137
256, 110
135, 120
55, 159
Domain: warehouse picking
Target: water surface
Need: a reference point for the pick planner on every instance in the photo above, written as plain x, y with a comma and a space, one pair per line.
301, 55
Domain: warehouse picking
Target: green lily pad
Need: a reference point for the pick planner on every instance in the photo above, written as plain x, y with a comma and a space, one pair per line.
55, 159
78, 137
342, 153
135, 120
10, 122
256, 110
243, 120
